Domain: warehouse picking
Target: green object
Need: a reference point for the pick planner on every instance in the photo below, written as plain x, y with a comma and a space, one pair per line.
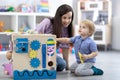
11, 9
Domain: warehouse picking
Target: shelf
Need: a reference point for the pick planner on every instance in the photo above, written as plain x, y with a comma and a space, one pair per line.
27, 17
26, 14
100, 13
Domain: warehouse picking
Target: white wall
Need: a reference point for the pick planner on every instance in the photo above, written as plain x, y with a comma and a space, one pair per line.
116, 33
54, 4
15, 2
116, 24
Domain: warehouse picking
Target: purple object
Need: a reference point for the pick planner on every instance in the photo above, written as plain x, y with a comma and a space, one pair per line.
3, 10
8, 68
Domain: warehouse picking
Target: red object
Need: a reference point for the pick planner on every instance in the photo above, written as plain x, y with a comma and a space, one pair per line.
60, 50
0, 47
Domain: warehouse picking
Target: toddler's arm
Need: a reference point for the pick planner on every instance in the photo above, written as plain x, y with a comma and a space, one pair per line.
92, 55
63, 40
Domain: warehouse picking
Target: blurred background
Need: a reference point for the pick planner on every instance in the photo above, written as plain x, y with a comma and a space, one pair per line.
104, 13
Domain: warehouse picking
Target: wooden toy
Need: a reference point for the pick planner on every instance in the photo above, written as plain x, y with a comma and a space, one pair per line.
34, 56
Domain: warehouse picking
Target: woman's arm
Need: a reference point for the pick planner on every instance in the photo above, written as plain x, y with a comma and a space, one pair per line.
43, 26
63, 40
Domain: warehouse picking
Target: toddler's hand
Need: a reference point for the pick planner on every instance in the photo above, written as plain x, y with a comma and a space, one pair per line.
85, 57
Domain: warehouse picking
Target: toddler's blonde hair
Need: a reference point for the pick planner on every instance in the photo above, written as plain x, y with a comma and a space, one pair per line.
90, 25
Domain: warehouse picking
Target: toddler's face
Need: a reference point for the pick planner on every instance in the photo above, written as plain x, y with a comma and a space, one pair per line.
84, 30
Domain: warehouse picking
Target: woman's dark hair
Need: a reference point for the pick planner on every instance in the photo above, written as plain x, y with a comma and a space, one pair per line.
57, 22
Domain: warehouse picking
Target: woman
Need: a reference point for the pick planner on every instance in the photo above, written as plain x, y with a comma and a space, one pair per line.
61, 26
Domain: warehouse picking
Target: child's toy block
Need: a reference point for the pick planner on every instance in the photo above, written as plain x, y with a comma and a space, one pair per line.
34, 56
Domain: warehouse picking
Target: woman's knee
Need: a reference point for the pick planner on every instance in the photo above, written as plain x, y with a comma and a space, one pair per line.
61, 64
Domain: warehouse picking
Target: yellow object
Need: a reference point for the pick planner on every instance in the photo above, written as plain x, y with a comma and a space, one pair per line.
32, 54
9, 31
50, 42
80, 56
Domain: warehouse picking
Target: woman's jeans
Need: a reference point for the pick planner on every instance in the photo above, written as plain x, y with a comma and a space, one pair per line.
61, 64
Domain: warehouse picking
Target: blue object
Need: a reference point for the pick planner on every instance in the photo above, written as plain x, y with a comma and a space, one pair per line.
35, 45
57, 51
61, 64
42, 9
35, 74
44, 55
26, 29
21, 45
97, 71
35, 62
73, 51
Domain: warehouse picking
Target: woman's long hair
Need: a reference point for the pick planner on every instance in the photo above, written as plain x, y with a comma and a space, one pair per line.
57, 21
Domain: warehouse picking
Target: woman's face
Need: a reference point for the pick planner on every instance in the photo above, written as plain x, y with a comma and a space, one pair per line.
66, 19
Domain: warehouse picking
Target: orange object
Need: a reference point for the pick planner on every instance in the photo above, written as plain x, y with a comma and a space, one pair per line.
1, 26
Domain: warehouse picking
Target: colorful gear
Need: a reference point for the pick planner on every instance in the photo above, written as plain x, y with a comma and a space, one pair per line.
35, 44
32, 54
35, 62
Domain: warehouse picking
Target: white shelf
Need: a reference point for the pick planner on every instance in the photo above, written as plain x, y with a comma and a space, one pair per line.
16, 20
100, 13
25, 14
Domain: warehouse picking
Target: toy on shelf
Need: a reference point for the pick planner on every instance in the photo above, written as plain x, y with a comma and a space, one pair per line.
1, 26
10, 9
42, 6
25, 8
9, 30
34, 56
24, 27
7, 9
